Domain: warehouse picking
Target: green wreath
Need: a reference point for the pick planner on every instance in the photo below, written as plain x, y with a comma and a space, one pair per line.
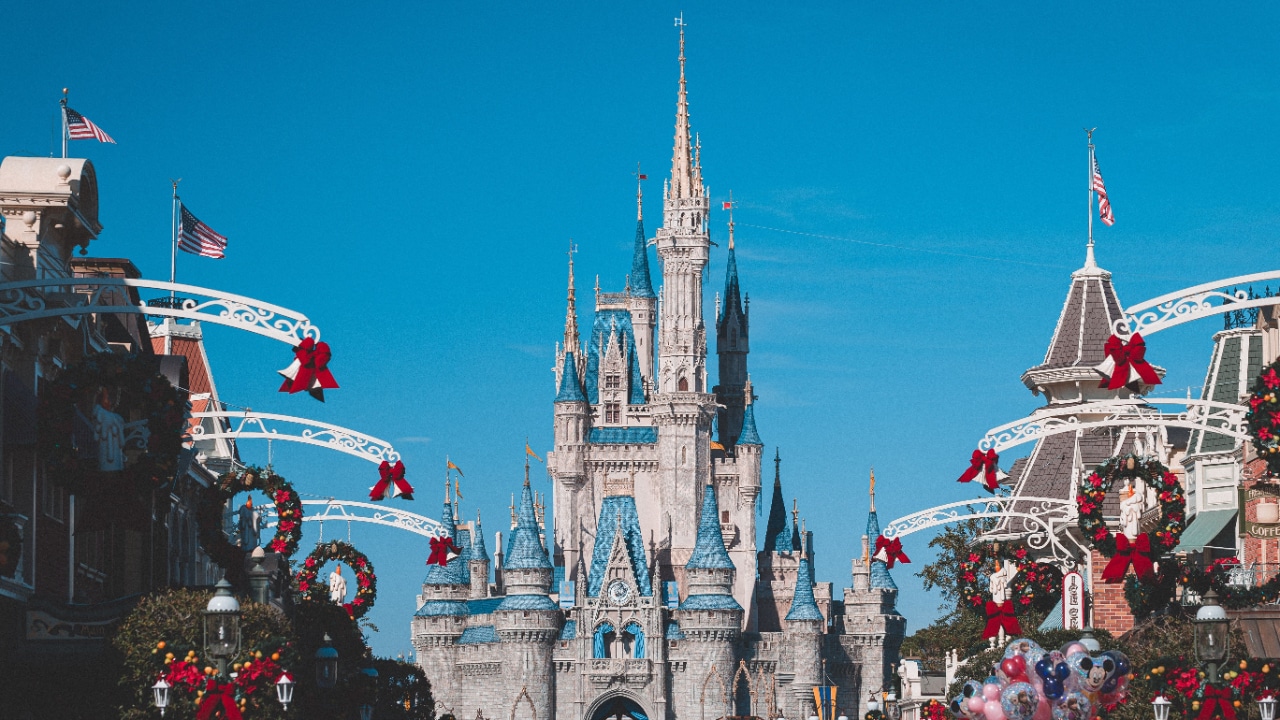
1231, 594
1263, 417
1037, 586
130, 387
312, 590
215, 497
1093, 491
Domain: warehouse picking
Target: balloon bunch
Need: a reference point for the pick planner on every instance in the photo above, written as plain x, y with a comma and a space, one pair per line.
1032, 684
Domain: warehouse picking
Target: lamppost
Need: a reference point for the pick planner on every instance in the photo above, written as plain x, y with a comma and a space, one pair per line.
891, 706
873, 703
222, 626
326, 664
1212, 637
161, 692
284, 690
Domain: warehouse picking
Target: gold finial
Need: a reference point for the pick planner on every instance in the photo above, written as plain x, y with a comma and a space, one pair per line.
873, 489
729, 206
639, 193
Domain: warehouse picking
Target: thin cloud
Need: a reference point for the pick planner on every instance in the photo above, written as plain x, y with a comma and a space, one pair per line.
412, 439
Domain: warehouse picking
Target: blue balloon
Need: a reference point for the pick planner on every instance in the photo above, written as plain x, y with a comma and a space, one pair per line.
1044, 668
1053, 688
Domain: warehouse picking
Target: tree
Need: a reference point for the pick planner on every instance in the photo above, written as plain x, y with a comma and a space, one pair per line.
958, 628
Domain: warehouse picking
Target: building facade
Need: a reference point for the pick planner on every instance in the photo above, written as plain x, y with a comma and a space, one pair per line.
648, 595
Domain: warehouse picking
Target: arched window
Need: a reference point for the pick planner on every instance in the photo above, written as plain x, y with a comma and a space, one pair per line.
603, 639
683, 384
633, 637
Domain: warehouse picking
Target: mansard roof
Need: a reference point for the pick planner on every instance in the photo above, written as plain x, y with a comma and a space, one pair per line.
708, 550
527, 602
710, 602
479, 634
525, 551
803, 604
641, 285
638, 435
880, 577
608, 321
618, 514
1233, 367
570, 383
442, 608
749, 434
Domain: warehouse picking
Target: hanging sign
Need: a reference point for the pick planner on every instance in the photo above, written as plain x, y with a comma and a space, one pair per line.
1072, 601
1265, 502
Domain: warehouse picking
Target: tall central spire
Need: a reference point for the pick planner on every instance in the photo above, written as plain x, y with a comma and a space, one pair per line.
682, 169
571, 313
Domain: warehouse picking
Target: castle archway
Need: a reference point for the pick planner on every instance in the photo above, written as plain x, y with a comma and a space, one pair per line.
617, 707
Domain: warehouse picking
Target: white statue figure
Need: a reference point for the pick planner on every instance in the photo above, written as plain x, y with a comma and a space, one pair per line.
1000, 580
1131, 504
108, 431
337, 586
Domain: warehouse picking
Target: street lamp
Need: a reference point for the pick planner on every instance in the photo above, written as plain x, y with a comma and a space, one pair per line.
161, 691
891, 706
1212, 641
222, 626
1160, 706
1090, 642
1267, 708
326, 664
284, 690
873, 705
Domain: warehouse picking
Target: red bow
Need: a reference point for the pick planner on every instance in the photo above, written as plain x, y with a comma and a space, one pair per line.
1136, 554
218, 695
309, 370
441, 546
1216, 698
1000, 615
984, 463
1126, 364
890, 551
391, 482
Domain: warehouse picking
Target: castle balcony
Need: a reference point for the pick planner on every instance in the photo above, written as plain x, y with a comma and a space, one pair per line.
631, 672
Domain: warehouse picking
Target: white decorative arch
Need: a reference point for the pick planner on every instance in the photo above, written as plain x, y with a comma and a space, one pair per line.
1193, 303
1204, 415
318, 511
1043, 520
61, 297
249, 425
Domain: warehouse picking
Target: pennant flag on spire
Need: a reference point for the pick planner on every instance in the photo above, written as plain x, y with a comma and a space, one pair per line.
1104, 205
457, 491
450, 466
529, 451
80, 127
199, 239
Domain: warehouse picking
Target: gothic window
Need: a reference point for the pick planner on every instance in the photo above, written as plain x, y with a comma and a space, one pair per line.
683, 384
612, 413
602, 641
612, 382
724, 516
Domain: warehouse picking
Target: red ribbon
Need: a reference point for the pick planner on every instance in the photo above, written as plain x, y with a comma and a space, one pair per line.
310, 370
1129, 359
1000, 615
984, 464
391, 476
218, 695
1218, 698
890, 551
440, 547
1137, 554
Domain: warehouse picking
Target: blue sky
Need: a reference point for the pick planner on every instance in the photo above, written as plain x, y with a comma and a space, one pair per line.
410, 174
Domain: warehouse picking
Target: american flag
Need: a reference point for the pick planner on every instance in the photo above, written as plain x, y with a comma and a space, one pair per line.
1104, 205
80, 127
200, 239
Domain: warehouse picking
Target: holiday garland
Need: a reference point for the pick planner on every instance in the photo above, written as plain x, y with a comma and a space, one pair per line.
1263, 417
934, 710
215, 497
250, 688
1037, 586
1149, 546
140, 392
1182, 682
312, 590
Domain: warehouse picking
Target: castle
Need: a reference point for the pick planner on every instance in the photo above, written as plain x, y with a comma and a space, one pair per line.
649, 596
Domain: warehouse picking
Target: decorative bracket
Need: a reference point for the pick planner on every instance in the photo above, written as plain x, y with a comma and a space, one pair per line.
61, 297
1204, 415
1194, 303
350, 511
1045, 522
267, 426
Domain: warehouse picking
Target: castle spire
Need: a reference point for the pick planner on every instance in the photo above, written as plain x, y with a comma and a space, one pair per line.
641, 285
571, 312
873, 489
682, 169
777, 534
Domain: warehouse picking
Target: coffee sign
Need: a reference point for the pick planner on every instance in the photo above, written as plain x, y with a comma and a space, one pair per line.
1265, 499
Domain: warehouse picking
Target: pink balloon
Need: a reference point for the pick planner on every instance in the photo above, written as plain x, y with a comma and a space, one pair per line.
1044, 711
991, 691
993, 710
977, 705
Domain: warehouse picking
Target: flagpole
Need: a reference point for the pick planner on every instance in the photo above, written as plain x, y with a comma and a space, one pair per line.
1089, 260
64, 122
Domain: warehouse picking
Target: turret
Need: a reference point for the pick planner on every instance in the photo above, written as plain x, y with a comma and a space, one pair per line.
732, 347
643, 301
442, 611
566, 463
803, 635
479, 562
709, 572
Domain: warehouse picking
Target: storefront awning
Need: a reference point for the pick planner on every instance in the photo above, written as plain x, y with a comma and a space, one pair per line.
1203, 529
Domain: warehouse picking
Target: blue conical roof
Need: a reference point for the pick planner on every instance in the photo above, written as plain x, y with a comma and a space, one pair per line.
455, 572
525, 550
478, 549
880, 577
749, 434
570, 386
732, 293
777, 533
708, 549
641, 285
803, 605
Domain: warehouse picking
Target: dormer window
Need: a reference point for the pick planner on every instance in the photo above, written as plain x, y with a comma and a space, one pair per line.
612, 413
612, 382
